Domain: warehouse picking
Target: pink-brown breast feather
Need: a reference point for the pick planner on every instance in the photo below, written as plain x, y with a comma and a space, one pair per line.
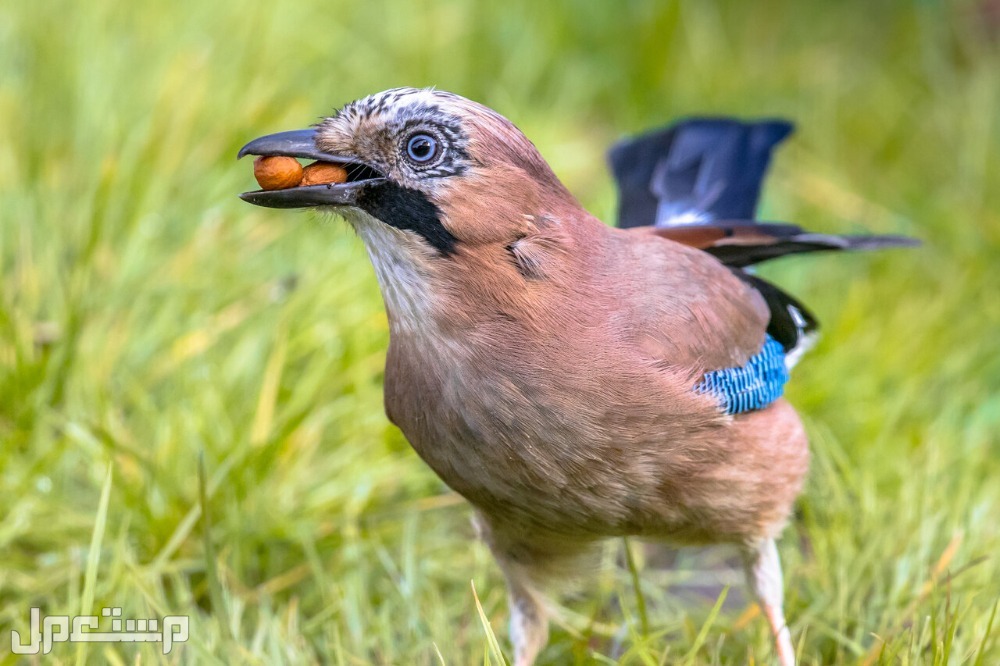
576, 381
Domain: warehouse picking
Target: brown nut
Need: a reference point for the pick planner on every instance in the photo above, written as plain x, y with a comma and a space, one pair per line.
319, 173
277, 172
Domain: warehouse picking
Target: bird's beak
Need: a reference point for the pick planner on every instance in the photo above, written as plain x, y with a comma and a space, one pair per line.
301, 143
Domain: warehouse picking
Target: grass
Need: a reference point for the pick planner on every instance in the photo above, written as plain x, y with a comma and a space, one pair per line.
149, 319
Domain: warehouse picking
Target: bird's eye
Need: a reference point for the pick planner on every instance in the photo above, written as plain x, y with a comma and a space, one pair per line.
422, 148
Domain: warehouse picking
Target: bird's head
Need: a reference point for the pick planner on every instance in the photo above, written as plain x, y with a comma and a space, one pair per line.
461, 216
444, 171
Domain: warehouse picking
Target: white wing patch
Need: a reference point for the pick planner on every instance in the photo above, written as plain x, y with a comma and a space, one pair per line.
670, 215
805, 341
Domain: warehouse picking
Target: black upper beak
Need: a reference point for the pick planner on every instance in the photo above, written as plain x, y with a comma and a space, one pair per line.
296, 143
301, 143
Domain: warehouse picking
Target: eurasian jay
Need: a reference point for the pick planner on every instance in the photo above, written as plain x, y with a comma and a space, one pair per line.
574, 381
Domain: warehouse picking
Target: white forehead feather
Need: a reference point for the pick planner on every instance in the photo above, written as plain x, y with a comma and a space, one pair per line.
399, 105
475, 133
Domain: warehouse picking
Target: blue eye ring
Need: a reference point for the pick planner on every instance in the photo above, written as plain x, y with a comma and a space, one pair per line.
421, 148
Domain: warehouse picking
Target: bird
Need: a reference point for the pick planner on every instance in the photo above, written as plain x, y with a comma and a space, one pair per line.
575, 381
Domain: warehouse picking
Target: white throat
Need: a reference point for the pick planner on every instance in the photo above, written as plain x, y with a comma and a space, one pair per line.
400, 262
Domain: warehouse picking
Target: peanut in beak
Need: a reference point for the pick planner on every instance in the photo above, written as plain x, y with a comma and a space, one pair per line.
280, 172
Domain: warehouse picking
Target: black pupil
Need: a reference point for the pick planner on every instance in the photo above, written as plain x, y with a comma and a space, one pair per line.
421, 147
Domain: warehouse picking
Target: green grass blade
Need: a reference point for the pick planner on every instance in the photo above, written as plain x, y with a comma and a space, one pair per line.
94, 556
492, 643
640, 599
219, 606
981, 653
699, 640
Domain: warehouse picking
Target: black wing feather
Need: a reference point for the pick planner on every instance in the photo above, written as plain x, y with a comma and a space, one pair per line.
741, 256
698, 183
701, 168
791, 321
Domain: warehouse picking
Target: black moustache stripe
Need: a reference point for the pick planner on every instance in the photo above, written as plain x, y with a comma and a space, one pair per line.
410, 210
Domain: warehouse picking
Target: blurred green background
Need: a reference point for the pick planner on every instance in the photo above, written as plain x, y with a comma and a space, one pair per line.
148, 318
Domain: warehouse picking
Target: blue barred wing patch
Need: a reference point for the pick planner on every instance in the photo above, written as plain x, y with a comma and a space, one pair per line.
754, 386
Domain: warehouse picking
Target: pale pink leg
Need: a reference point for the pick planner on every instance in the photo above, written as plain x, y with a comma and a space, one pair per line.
529, 622
764, 577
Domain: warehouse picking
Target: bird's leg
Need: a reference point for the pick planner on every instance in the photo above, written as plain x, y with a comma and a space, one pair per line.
529, 623
763, 569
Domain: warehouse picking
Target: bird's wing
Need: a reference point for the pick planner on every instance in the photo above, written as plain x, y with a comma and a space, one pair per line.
788, 321
696, 171
726, 333
791, 323
685, 307
698, 182
742, 243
